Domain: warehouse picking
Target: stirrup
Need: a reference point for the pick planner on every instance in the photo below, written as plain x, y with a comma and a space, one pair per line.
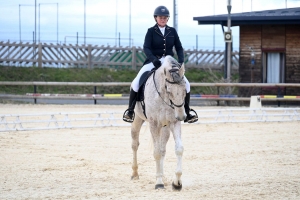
127, 118
193, 119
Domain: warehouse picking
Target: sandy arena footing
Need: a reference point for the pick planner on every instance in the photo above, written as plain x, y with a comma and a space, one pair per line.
220, 161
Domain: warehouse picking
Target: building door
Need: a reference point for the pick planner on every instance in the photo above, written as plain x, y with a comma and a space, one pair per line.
273, 67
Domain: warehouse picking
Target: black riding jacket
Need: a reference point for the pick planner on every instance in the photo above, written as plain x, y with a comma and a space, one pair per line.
157, 45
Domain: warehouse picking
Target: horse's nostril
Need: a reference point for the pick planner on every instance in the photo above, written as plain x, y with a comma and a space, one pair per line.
180, 119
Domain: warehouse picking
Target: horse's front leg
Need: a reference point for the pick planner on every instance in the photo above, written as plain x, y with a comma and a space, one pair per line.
160, 138
135, 133
176, 130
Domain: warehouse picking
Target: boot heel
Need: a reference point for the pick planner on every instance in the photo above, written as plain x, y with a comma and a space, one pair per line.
129, 114
191, 118
127, 117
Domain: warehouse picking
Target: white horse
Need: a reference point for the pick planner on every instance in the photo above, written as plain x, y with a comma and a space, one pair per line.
164, 108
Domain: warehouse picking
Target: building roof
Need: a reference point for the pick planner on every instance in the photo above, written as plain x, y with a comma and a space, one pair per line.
279, 16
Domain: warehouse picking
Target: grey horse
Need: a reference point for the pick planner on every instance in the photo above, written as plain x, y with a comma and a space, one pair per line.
164, 96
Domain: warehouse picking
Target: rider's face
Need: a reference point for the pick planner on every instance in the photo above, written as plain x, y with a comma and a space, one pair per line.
162, 20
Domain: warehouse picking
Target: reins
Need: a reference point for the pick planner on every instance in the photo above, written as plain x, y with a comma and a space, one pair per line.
171, 82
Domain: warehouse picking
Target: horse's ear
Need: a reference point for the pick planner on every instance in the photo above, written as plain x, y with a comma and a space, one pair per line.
182, 70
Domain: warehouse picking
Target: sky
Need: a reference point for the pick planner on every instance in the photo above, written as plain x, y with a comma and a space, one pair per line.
107, 19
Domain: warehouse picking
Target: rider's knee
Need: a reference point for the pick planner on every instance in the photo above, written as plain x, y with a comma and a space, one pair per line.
134, 86
187, 85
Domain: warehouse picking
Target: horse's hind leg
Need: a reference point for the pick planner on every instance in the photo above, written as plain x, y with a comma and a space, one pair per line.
135, 133
176, 129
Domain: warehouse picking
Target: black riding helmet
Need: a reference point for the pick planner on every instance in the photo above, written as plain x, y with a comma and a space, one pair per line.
161, 11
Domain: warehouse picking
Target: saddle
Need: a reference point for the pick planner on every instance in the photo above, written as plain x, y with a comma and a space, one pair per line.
140, 95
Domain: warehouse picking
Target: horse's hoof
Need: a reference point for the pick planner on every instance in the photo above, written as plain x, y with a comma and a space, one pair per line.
176, 187
159, 186
134, 177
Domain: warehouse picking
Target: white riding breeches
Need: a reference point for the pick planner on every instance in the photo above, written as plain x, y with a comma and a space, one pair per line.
148, 67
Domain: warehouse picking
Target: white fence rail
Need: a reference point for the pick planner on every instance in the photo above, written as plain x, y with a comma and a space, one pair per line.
45, 121
35, 95
59, 121
89, 56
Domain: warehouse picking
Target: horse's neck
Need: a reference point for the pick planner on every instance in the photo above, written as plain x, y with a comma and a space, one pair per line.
160, 82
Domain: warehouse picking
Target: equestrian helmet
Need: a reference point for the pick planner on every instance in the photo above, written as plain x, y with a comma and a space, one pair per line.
161, 11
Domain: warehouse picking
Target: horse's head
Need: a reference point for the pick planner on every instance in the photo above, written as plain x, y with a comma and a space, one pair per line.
175, 86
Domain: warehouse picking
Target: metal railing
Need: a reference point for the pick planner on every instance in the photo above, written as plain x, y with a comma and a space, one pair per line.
93, 96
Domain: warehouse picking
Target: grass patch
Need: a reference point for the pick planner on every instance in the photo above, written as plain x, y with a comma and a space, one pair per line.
91, 75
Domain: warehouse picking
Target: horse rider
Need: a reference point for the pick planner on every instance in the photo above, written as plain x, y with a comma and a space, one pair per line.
159, 42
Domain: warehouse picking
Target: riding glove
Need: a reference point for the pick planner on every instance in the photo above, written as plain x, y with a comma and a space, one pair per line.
156, 63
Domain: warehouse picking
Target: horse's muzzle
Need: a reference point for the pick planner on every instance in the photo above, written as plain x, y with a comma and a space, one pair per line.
181, 117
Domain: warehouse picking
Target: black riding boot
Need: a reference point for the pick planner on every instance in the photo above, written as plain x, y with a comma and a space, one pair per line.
190, 118
128, 115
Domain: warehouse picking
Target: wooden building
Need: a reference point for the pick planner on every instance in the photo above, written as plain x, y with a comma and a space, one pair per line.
269, 48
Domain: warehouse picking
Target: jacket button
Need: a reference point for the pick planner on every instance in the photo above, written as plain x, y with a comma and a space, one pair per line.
165, 44
163, 54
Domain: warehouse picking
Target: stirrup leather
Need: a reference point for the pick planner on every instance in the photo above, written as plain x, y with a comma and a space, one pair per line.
127, 118
193, 119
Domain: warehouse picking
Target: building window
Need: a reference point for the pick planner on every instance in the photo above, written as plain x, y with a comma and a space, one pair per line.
273, 67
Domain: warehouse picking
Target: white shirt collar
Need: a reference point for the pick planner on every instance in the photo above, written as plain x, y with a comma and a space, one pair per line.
162, 29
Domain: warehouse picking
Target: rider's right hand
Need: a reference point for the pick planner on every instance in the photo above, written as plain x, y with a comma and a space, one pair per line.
156, 63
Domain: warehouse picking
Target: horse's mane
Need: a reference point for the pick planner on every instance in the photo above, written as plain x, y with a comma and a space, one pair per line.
174, 71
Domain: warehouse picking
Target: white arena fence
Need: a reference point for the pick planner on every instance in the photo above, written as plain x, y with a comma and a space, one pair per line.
46, 121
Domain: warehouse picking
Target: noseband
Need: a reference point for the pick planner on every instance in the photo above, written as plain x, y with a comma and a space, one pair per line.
172, 71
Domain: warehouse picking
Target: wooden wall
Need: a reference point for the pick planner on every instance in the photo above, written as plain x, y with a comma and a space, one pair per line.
292, 73
273, 37
283, 38
250, 36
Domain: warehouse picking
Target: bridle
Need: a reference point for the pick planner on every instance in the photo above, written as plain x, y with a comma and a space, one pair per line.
171, 82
